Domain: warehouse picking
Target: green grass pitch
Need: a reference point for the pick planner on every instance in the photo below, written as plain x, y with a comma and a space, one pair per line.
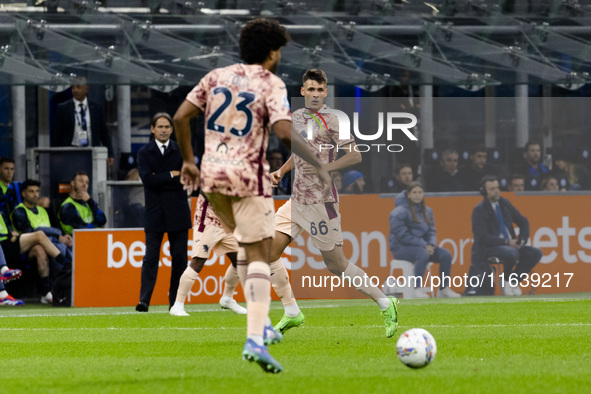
492, 345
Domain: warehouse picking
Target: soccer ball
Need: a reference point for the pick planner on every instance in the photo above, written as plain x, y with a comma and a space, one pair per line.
416, 348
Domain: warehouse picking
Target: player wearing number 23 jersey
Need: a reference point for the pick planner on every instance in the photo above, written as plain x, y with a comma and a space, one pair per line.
240, 103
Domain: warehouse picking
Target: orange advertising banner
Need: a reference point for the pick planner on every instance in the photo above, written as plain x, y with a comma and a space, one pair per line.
107, 263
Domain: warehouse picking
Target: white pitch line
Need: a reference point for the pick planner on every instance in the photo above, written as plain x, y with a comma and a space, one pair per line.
305, 327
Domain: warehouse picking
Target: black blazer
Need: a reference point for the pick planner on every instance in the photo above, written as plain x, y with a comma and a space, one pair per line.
167, 209
485, 227
64, 123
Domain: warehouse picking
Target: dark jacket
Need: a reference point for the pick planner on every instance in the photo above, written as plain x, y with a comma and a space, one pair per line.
441, 181
471, 178
167, 209
64, 124
486, 230
406, 232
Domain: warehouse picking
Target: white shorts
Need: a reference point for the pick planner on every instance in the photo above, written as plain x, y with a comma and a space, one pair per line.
212, 238
250, 219
321, 221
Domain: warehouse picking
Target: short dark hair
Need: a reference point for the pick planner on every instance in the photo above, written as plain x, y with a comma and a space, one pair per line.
532, 142
158, 116
477, 148
259, 37
516, 176
6, 160
315, 74
401, 166
546, 179
28, 183
79, 173
488, 178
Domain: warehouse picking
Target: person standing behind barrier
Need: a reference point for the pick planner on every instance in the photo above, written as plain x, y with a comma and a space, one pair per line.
79, 210
81, 122
167, 209
413, 238
494, 236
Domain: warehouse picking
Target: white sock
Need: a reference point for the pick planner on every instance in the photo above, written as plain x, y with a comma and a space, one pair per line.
225, 299
268, 322
178, 304
292, 310
258, 339
3, 269
3, 294
383, 303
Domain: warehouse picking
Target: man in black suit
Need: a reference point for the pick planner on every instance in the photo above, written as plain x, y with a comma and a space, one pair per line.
167, 210
81, 122
494, 236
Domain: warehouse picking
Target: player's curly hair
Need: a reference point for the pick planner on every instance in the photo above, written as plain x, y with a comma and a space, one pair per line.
315, 74
259, 37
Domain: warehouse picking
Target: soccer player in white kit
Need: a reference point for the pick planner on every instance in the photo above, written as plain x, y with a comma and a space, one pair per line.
309, 210
209, 236
240, 102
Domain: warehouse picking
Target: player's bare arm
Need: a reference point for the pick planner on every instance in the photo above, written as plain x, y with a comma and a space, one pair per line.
182, 129
296, 143
284, 169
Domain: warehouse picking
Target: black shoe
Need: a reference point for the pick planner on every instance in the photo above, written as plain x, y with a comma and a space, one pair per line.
141, 307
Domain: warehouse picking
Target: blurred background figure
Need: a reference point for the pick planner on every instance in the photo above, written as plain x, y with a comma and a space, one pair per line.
550, 184
353, 183
516, 183
569, 175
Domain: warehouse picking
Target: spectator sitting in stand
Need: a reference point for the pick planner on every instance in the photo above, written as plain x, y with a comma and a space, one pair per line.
447, 178
550, 184
532, 167
353, 183
402, 178
79, 210
516, 183
576, 176
472, 174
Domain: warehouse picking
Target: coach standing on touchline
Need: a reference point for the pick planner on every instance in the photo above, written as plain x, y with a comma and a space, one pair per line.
167, 209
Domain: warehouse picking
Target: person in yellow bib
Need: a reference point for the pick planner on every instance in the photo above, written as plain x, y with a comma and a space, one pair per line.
27, 217
79, 210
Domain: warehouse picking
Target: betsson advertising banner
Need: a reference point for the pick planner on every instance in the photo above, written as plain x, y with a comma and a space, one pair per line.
107, 263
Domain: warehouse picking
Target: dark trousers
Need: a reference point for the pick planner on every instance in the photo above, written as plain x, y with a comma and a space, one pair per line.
178, 251
516, 261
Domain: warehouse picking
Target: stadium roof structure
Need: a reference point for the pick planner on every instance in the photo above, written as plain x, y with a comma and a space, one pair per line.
167, 43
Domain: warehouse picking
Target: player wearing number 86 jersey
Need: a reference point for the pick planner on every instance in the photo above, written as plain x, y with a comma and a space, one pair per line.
240, 102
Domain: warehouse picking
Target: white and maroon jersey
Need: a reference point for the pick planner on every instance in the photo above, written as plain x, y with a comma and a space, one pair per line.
240, 103
325, 128
204, 215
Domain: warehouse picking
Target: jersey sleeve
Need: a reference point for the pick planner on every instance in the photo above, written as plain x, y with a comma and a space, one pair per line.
198, 96
277, 102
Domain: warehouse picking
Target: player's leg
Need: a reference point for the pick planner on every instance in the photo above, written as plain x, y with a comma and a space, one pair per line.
203, 244
28, 240
284, 229
254, 231
186, 282
231, 280
5, 298
44, 283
